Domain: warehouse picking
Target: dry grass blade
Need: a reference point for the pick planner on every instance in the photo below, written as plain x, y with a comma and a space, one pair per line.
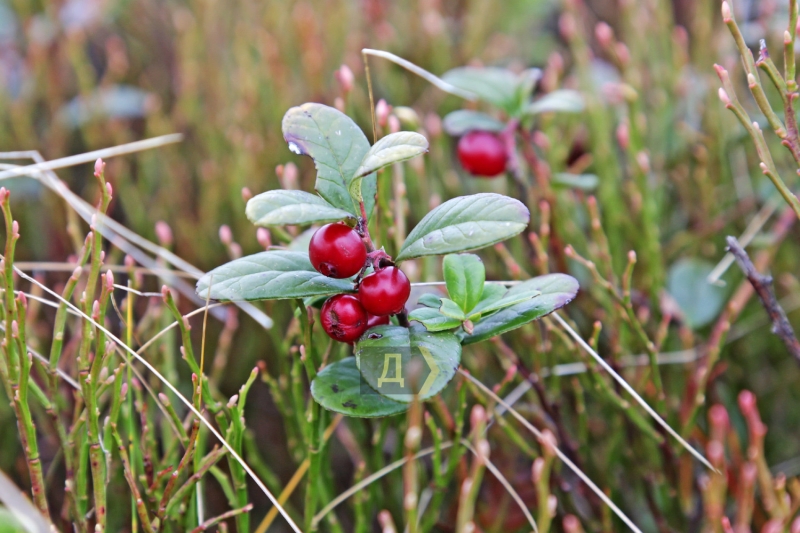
503, 481
533, 429
371, 479
177, 393
434, 80
123, 238
22, 508
89, 157
624, 385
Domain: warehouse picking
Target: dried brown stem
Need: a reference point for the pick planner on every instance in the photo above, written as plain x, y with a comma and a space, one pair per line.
763, 287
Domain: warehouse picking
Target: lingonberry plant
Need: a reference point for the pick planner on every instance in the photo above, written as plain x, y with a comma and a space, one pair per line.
363, 284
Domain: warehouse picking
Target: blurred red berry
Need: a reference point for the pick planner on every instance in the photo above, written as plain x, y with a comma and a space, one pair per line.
482, 153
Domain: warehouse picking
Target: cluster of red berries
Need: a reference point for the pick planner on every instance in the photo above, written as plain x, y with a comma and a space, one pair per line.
337, 251
482, 153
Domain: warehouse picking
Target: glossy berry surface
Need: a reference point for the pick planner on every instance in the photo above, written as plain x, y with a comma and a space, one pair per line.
337, 251
343, 318
385, 291
375, 320
482, 153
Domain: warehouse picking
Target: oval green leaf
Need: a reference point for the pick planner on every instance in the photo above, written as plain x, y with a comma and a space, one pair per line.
464, 276
699, 301
557, 290
583, 182
393, 148
562, 100
273, 275
463, 121
466, 223
496, 85
400, 362
283, 208
433, 320
339, 387
337, 145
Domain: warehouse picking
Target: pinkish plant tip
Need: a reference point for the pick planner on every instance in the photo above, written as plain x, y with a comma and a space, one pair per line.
726, 12
394, 124
165, 291
623, 54
163, 233
225, 235
571, 524
96, 310
747, 402
14, 328
15, 229
109, 190
246, 194
477, 416
623, 136
99, 167
264, 238
382, 110
110, 281
718, 416
604, 34
345, 78
723, 96
537, 469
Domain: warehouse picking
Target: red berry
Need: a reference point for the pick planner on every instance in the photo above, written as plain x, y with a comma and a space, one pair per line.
385, 291
375, 320
482, 153
343, 318
337, 251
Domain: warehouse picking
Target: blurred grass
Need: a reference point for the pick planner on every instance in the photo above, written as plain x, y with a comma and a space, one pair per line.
224, 73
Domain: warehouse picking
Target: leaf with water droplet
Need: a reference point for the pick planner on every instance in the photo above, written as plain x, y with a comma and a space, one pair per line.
337, 145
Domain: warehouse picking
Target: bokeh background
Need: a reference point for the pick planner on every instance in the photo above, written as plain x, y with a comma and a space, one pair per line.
77, 75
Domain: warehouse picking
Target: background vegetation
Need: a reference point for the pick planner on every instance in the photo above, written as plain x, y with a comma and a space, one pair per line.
676, 173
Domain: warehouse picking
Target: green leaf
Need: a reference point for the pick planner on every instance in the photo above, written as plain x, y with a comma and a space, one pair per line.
492, 292
520, 293
273, 275
393, 148
466, 223
339, 387
337, 145
282, 208
562, 100
433, 320
583, 182
464, 275
498, 86
451, 309
302, 242
427, 361
430, 300
463, 121
557, 291
699, 301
